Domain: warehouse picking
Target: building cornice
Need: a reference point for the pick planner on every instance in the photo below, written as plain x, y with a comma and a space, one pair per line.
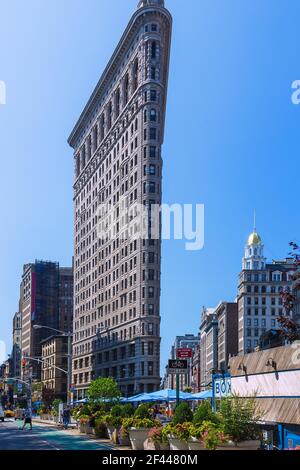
132, 27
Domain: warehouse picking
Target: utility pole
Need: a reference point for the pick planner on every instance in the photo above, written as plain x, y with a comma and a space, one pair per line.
69, 375
177, 390
29, 392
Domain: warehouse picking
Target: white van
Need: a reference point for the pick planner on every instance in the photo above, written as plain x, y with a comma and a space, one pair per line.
1, 414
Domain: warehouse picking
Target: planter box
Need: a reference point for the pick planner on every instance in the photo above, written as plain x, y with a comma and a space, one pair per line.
112, 434
110, 430
150, 445
243, 445
90, 430
177, 444
124, 442
138, 438
83, 428
195, 444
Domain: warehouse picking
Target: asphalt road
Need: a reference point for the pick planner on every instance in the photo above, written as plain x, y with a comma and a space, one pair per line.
43, 438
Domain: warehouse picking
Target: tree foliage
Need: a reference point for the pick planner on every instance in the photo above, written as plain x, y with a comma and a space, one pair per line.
182, 414
288, 327
104, 389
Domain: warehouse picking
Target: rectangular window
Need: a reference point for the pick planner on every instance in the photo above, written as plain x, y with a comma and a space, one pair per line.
153, 95
152, 170
152, 152
151, 187
153, 133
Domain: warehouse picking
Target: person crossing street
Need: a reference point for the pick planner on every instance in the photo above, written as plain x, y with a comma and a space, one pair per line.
27, 419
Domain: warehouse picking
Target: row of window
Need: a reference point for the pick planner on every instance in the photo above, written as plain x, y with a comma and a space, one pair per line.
263, 311
264, 289
263, 301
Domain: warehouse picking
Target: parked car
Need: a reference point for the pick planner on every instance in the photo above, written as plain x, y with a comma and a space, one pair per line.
2, 416
9, 414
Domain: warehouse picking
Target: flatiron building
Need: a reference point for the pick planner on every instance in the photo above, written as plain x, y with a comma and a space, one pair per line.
117, 145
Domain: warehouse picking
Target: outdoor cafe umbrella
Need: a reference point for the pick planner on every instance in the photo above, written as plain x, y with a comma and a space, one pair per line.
168, 395
141, 397
207, 395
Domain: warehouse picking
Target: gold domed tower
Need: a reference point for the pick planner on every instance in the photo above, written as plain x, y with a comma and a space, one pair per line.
254, 252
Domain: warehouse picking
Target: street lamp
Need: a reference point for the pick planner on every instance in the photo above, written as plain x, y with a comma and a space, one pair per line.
69, 369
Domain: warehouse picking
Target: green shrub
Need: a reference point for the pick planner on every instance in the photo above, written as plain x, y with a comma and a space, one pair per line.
239, 417
116, 410
143, 412
180, 431
127, 411
182, 414
100, 429
205, 413
112, 421
139, 423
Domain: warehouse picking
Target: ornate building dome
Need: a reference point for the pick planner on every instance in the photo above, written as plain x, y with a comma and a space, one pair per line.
146, 3
254, 239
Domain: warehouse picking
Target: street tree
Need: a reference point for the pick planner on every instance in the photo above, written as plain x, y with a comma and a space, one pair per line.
105, 389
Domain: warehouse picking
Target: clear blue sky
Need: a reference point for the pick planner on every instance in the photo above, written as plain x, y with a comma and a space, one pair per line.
232, 136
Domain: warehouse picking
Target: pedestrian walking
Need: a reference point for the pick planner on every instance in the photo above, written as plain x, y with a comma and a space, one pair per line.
66, 417
27, 418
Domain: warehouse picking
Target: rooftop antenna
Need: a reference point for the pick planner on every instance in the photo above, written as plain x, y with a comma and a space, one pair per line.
254, 227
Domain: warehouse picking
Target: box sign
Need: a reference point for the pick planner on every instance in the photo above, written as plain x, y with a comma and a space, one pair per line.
178, 366
223, 387
184, 353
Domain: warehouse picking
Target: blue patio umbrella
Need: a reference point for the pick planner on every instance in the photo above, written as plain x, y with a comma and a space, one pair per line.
141, 397
207, 395
83, 400
168, 395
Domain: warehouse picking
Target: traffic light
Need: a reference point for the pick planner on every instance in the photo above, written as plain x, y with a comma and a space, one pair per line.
24, 363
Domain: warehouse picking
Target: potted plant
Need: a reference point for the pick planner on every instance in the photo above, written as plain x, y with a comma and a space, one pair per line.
178, 430
240, 417
83, 423
112, 424
195, 441
123, 432
177, 435
100, 428
157, 440
138, 429
206, 436
123, 435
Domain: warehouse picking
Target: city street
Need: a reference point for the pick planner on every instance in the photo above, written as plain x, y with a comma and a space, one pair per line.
43, 438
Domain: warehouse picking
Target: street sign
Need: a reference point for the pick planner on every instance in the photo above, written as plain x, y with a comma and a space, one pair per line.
178, 366
184, 353
222, 387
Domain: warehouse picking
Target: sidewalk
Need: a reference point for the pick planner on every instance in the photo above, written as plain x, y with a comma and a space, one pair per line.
73, 431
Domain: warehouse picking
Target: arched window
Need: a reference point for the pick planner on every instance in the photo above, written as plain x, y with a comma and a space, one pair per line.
83, 157
77, 160
109, 114
153, 50
126, 89
136, 74
117, 102
102, 127
153, 115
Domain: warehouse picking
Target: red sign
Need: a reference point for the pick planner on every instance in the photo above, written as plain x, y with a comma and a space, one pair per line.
184, 353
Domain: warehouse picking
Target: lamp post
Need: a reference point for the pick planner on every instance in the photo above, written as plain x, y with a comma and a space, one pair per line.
69, 368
